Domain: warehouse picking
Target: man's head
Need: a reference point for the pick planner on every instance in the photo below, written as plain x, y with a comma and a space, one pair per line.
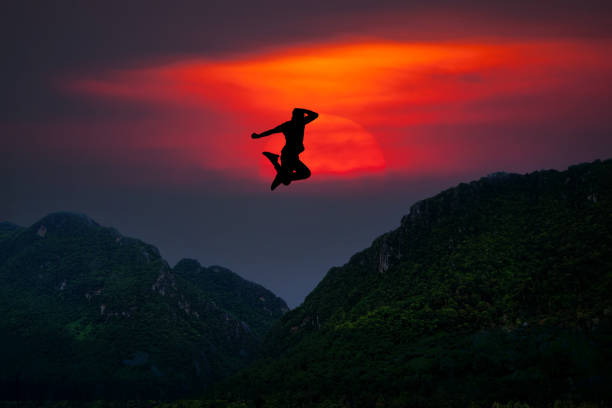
297, 115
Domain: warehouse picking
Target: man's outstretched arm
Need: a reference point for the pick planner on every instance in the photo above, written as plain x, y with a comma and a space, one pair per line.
310, 115
277, 129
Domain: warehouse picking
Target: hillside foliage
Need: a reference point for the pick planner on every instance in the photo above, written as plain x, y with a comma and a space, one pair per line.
90, 314
496, 290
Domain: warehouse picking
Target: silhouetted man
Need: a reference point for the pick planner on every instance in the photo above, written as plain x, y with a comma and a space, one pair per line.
291, 168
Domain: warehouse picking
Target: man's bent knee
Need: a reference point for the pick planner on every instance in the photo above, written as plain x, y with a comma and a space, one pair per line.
301, 174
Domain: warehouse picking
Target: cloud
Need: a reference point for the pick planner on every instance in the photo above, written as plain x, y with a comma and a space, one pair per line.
380, 102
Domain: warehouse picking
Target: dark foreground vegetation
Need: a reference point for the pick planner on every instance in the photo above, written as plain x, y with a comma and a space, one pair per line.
245, 404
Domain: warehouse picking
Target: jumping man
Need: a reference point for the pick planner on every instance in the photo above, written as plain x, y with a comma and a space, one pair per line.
291, 168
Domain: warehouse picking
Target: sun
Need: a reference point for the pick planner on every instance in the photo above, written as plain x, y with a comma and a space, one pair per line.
334, 146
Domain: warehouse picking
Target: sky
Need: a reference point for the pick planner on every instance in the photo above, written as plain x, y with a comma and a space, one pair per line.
139, 114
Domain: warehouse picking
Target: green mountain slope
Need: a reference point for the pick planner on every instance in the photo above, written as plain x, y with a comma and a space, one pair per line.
248, 301
494, 290
89, 313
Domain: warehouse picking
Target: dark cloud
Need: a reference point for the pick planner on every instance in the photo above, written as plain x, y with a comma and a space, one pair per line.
42, 39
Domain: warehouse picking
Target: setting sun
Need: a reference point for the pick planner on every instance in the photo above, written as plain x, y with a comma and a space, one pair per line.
377, 101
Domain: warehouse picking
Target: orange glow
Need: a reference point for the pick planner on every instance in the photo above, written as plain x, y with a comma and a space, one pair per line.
374, 99
335, 146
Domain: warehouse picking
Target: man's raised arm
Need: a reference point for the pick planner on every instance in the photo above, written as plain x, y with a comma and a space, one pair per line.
310, 115
277, 129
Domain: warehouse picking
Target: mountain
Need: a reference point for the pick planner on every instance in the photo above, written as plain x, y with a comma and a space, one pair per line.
495, 290
89, 313
248, 301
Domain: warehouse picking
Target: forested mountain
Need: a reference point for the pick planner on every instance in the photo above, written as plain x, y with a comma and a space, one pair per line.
88, 313
248, 301
494, 290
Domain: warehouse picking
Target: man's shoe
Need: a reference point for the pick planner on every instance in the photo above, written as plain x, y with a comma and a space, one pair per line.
272, 157
277, 181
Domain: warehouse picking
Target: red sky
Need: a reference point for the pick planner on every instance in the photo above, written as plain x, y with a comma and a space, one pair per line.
382, 105
139, 114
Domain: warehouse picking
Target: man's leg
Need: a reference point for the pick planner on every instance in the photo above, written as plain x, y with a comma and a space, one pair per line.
282, 174
273, 159
301, 171
277, 181
288, 164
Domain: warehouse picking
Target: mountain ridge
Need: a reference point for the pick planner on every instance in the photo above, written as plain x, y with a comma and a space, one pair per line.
492, 290
108, 316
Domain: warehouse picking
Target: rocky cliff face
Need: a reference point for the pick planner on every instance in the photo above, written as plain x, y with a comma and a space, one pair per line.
247, 300
493, 290
83, 304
